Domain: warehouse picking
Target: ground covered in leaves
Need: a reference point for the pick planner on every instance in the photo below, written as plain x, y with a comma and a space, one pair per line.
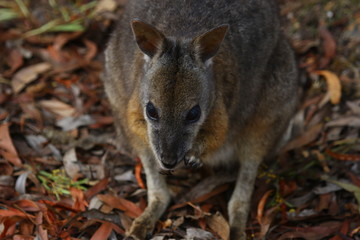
61, 176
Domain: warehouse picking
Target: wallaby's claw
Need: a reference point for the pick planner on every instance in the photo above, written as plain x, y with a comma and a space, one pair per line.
193, 162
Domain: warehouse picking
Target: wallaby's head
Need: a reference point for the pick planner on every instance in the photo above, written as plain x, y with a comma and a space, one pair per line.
177, 90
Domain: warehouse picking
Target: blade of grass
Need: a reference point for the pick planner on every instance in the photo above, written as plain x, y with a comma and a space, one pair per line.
69, 27
7, 14
52, 3
24, 10
88, 6
6, 4
44, 28
65, 14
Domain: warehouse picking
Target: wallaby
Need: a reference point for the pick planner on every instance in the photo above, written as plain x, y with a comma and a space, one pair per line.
200, 83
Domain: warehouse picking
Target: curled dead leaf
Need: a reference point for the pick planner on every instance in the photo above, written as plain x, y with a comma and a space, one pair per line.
333, 84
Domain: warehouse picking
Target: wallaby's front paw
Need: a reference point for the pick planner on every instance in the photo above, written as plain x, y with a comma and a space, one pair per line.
140, 229
192, 161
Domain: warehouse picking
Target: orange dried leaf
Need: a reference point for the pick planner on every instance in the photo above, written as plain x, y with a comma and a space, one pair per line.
103, 231
98, 187
79, 199
261, 206
333, 84
138, 168
28, 205
14, 213
342, 157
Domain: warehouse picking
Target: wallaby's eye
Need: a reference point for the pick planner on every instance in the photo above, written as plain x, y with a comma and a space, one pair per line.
193, 115
151, 112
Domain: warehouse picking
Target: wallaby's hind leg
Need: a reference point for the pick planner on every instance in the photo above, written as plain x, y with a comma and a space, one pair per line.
158, 200
239, 204
260, 139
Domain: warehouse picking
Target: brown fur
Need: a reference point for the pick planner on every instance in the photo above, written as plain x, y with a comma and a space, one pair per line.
213, 133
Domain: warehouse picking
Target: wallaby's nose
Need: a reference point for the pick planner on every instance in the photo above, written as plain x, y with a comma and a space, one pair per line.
169, 161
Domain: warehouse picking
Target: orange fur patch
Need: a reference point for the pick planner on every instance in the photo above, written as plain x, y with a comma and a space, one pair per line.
135, 118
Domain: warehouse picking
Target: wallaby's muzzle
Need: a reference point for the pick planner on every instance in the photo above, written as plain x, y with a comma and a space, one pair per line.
170, 151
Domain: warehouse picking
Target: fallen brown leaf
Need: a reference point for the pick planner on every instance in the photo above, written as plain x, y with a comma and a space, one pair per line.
91, 50
344, 230
202, 198
219, 225
313, 233
350, 121
27, 75
307, 137
15, 61
328, 44
59, 108
129, 208
7, 149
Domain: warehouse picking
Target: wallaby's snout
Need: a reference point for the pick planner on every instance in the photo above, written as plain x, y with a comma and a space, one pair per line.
170, 147
169, 153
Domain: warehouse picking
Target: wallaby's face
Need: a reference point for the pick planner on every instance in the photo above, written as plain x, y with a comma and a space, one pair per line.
177, 91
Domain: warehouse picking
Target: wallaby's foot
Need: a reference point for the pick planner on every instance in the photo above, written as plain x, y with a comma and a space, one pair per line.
141, 227
237, 234
237, 226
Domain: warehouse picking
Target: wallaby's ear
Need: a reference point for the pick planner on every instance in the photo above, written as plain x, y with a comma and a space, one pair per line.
148, 38
209, 42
